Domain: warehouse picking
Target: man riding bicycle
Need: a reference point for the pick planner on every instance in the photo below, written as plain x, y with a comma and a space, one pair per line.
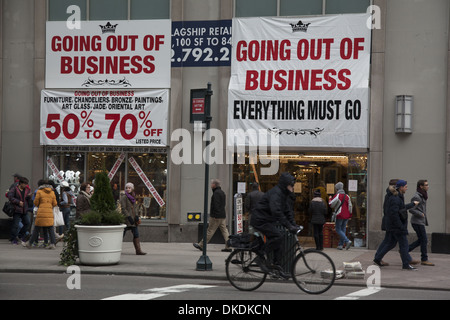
275, 206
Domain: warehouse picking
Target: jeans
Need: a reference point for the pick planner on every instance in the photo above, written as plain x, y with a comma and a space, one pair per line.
16, 231
66, 217
45, 230
421, 241
341, 227
390, 241
134, 230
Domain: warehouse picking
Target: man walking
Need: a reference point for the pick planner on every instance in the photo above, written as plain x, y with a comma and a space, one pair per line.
217, 216
397, 226
419, 221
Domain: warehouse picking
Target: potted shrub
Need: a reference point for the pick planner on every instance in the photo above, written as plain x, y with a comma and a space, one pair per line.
96, 238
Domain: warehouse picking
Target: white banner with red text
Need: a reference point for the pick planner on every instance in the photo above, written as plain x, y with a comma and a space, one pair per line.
108, 54
304, 81
104, 117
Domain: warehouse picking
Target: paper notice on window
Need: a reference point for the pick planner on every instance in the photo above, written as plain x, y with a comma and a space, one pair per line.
352, 185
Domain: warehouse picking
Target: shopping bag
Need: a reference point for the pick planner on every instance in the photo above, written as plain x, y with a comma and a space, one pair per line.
58, 219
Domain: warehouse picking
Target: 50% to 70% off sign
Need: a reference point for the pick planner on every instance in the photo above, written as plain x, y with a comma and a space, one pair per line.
72, 125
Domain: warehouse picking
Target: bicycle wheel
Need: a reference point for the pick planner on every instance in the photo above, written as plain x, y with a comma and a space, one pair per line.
243, 272
313, 271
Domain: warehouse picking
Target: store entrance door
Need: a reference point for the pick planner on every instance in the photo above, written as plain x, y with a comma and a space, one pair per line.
316, 171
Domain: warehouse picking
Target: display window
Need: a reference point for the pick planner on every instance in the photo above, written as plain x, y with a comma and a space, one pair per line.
315, 171
146, 169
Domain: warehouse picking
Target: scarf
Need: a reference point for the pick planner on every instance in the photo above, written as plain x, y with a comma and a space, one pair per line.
422, 192
87, 195
130, 197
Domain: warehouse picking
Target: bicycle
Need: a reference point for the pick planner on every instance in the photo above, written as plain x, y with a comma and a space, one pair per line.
312, 271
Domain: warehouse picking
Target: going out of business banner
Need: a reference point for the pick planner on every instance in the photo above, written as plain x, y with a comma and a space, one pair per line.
305, 81
108, 54
104, 117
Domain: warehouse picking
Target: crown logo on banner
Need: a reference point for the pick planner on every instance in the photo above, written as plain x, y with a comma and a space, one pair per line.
108, 28
299, 26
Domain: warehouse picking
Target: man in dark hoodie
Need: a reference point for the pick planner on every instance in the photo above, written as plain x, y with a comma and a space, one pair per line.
275, 206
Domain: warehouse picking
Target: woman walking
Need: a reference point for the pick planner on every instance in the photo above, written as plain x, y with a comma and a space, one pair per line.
342, 206
45, 200
129, 210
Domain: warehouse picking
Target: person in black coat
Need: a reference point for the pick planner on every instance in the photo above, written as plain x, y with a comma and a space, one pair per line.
387, 237
275, 207
252, 199
396, 223
318, 211
218, 217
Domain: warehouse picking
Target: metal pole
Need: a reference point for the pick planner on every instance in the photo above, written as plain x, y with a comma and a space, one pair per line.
204, 263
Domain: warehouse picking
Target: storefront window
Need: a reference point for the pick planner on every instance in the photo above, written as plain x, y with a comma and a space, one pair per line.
70, 166
316, 171
81, 166
154, 165
99, 161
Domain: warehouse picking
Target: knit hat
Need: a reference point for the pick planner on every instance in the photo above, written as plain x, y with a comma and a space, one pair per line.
339, 186
401, 183
317, 193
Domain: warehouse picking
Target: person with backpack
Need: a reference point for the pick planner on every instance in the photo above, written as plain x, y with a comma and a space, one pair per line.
342, 206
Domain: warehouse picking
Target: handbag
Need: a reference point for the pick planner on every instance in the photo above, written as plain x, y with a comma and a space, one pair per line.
58, 219
8, 208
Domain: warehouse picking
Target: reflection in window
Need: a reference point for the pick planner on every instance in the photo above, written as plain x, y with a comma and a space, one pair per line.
154, 166
256, 8
70, 166
300, 7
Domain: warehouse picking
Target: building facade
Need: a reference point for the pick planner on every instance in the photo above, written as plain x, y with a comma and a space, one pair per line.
408, 56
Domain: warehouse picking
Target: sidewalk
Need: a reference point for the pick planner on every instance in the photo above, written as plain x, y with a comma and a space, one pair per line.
179, 260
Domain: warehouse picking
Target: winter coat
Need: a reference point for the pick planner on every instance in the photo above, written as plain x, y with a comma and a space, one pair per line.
389, 191
317, 210
345, 211
218, 200
275, 205
394, 223
83, 204
45, 200
252, 200
15, 196
129, 210
419, 213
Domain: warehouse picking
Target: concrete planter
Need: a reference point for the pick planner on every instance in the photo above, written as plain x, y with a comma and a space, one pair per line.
100, 245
